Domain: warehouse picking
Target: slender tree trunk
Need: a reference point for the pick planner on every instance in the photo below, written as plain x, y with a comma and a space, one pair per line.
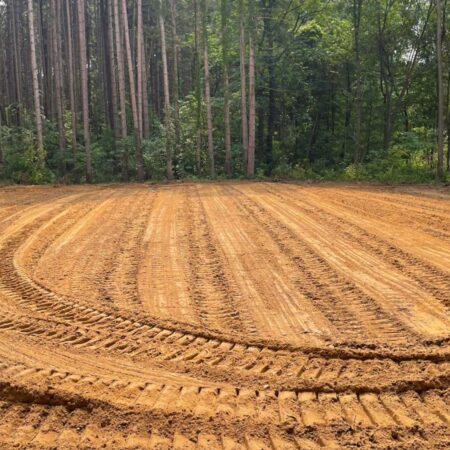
167, 112
139, 162
176, 87
34, 71
106, 36
84, 87
45, 63
17, 62
144, 100
122, 88
57, 56
226, 90
212, 171
268, 26
50, 56
440, 83
198, 92
385, 76
6, 77
388, 122
260, 141
112, 67
71, 71
357, 6
242, 55
145, 117
252, 98
104, 75
139, 66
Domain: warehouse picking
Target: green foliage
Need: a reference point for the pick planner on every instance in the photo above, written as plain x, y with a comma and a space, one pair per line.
296, 172
154, 152
24, 163
155, 158
410, 160
105, 155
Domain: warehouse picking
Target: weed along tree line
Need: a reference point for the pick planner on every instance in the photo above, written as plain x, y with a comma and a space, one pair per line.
102, 90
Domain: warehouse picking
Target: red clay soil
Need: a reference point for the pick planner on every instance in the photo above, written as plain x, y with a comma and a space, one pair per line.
225, 315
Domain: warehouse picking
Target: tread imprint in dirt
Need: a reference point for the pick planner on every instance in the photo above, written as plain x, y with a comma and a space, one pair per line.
268, 344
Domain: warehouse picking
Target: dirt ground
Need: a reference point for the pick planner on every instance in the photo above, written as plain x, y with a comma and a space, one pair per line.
225, 315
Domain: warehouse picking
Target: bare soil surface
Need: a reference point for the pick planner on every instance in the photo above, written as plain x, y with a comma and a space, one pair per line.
225, 316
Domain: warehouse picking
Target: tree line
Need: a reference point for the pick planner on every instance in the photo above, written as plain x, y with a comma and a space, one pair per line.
100, 90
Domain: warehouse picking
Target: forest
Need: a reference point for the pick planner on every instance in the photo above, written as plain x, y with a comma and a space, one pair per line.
116, 90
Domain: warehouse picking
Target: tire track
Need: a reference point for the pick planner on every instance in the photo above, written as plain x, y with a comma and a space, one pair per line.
163, 282
432, 223
260, 276
242, 366
35, 418
218, 301
89, 234
425, 275
402, 300
77, 371
193, 351
120, 276
360, 315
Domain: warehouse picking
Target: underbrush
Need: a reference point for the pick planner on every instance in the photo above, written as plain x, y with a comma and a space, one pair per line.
374, 172
394, 169
22, 163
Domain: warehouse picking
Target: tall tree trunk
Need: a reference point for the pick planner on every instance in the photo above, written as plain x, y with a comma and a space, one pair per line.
268, 27
198, 92
49, 87
5, 75
122, 88
388, 122
176, 87
17, 61
252, 98
145, 106
167, 112
71, 71
260, 141
109, 75
34, 71
137, 134
139, 66
57, 56
45, 62
357, 6
84, 87
440, 86
226, 90
144, 80
112, 67
212, 171
242, 56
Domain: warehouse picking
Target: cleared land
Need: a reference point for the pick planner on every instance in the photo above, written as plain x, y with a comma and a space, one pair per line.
228, 315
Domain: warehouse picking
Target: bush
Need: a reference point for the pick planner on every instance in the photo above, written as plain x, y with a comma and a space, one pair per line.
155, 161
24, 163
